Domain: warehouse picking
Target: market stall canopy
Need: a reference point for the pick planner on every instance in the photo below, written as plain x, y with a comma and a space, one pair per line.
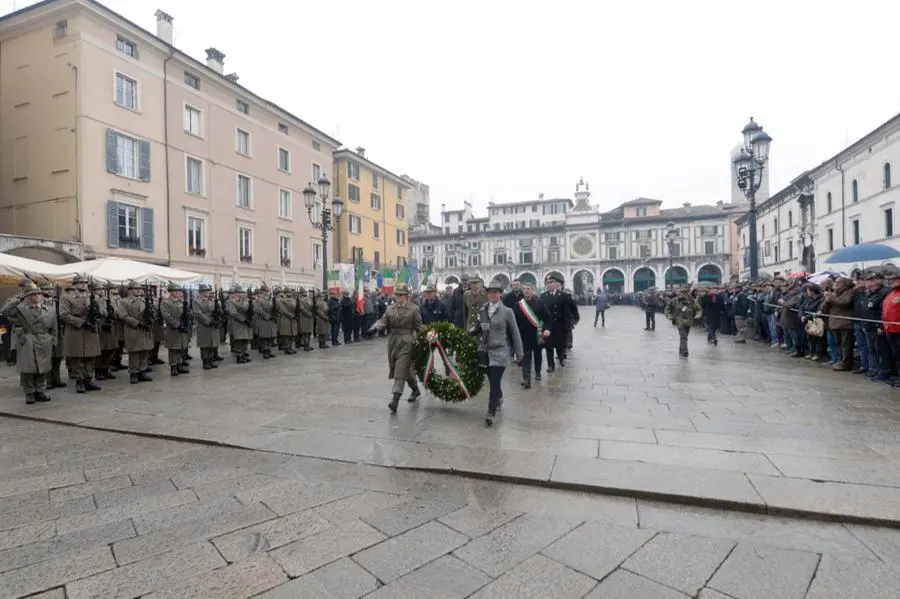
120, 271
15, 268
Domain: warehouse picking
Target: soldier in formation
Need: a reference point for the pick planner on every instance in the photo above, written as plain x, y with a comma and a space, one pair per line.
80, 311
178, 318
287, 321
35, 341
240, 323
208, 314
265, 324
402, 321
323, 320
54, 381
137, 312
106, 297
304, 320
683, 310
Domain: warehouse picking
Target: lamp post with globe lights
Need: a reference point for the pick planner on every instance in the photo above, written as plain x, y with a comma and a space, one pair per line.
323, 220
749, 165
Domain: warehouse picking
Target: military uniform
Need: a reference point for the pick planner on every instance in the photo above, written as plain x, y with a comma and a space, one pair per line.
158, 331
287, 321
109, 333
683, 310
207, 317
473, 302
402, 322
137, 313
265, 326
323, 320
305, 320
240, 322
15, 330
80, 311
54, 377
178, 318
560, 307
34, 343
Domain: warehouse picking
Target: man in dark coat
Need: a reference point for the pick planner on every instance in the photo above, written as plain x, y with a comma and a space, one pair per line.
457, 304
515, 294
433, 309
560, 308
532, 319
713, 312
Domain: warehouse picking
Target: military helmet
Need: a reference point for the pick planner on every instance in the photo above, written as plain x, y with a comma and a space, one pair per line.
401, 289
204, 287
47, 286
173, 287
237, 289
33, 290
134, 285
79, 279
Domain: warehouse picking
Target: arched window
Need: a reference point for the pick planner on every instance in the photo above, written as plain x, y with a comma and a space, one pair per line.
887, 175
828, 200
854, 190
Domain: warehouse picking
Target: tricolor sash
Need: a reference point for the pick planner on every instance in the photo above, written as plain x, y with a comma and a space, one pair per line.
531, 316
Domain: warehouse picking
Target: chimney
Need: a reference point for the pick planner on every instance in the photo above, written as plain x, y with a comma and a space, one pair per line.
687, 207
215, 60
361, 151
164, 26
233, 77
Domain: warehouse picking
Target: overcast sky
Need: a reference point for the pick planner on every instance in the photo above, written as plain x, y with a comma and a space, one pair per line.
504, 99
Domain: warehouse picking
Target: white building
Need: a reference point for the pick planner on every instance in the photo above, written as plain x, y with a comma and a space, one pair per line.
625, 249
846, 200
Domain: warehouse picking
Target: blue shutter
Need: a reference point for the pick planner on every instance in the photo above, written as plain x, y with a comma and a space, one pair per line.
144, 173
112, 224
112, 151
146, 229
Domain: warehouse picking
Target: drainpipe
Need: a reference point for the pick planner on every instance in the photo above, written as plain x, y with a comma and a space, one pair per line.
78, 236
843, 207
166, 153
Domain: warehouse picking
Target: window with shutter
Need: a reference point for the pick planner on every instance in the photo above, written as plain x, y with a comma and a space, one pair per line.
112, 224
112, 151
144, 173
147, 229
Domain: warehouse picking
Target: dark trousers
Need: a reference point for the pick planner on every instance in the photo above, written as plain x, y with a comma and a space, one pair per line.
880, 361
683, 333
335, 331
650, 319
531, 354
495, 376
601, 314
357, 326
711, 333
560, 352
893, 340
844, 338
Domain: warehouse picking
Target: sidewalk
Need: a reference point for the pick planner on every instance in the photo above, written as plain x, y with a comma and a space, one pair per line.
737, 427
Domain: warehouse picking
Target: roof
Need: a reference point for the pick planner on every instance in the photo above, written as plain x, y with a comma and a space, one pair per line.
222, 79
350, 154
702, 211
531, 202
641, 202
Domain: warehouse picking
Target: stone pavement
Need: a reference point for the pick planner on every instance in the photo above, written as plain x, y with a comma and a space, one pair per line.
97, 514
733, 426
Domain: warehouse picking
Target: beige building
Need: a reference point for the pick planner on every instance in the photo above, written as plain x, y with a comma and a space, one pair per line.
112, 137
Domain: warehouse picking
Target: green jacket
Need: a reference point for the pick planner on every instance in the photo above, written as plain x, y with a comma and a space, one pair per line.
683, 311
741, 304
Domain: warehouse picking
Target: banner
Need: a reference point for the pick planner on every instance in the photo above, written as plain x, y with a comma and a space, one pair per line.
334, 281
414, 275
348, 276
387, 280
367, 272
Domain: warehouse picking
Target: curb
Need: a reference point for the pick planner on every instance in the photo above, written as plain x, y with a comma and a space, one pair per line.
671, 498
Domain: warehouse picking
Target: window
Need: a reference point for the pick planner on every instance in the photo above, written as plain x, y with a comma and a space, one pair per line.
285, 250
192, 80
763, 231
245, 244
374, 181
353, 192
856, 237
709, 248
526, 257
889, 222
777, 248
244, 192
355, 224
830, 240
317, 146
125, 47
886, 170
643, 251
828, 201
377, 258
284, 160
675, 250
640, 212
194, 176
126, 92
282, 128
285, 203
399, 193
196, 236
401, 211
316, 172
61, 29
317, 254
854, 190
376, 202
401, 237
474, 259
192, 118
127, 156
242, 106
450, 261
353, 170
776, 226
129, 226
790, 218
790, 247
242, 142
376, 230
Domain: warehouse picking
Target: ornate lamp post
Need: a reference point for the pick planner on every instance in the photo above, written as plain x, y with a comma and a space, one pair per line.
671, 236
749, 165
323, 220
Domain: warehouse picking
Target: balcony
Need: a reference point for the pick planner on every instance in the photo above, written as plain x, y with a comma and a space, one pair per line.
286, 262
246, 258
130, 242
197, 252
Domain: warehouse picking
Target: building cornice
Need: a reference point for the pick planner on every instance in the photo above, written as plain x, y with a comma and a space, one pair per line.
347, 154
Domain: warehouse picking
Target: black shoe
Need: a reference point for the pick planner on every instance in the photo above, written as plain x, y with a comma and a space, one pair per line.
155, 362
562, 362
414, 396
79, 387
29, 399
58, 385
143, 377
395, 403
41, 396
207, 365
551, 369
218, 358
90, 385
188, 357
526, 384
133, 379
489, 417
184, 369
173, 371
537, 376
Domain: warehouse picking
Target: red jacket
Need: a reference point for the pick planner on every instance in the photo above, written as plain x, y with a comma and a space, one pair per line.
890, 312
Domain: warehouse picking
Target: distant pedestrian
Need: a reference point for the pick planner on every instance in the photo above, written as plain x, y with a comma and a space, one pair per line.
602, 304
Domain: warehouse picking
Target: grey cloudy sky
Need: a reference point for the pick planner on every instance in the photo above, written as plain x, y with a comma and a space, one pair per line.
504, 99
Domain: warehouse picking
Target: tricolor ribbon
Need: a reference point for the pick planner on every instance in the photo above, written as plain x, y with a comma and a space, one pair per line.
451, 369
532, 317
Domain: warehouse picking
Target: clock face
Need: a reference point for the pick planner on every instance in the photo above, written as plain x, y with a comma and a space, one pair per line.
583, 245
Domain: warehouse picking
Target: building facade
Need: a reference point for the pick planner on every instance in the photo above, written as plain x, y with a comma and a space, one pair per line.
625, 250
418, 201
375, 226
848, 199
111, 136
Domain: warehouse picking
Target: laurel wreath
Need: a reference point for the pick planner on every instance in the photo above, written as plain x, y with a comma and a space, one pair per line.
456, 342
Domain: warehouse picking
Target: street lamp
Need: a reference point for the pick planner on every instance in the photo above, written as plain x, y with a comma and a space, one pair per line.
749, 165
671, 236
323, 219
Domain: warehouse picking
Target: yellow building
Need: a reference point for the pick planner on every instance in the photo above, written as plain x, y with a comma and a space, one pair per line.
374, 226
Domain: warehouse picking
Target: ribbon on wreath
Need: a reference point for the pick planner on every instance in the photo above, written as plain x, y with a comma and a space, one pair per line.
435, 344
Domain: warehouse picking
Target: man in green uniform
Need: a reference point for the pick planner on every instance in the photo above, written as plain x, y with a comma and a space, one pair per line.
178, 318
207, 326
683, 310
35, 341
80, 311
402, 320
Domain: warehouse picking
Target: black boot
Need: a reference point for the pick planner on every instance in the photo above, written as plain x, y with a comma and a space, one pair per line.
133, 378
29, 399
41, 396
217, 357
526, 384
143, 377
207, 365
183, 369
395, 403
79, 386
90, 385
188, 357
415, 395
173, 370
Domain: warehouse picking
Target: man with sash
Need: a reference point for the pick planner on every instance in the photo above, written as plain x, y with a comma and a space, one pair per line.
531, 316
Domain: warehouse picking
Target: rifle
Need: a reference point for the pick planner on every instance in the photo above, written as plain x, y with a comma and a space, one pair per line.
274, 306
250, 308
218, 315
92, 320
187, 316
110, 318
149, 313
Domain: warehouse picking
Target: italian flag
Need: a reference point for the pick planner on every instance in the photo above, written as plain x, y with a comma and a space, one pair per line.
360, 299
334, 281
387, 280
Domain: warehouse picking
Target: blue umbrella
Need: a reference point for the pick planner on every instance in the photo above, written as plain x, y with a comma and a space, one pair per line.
864, 252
